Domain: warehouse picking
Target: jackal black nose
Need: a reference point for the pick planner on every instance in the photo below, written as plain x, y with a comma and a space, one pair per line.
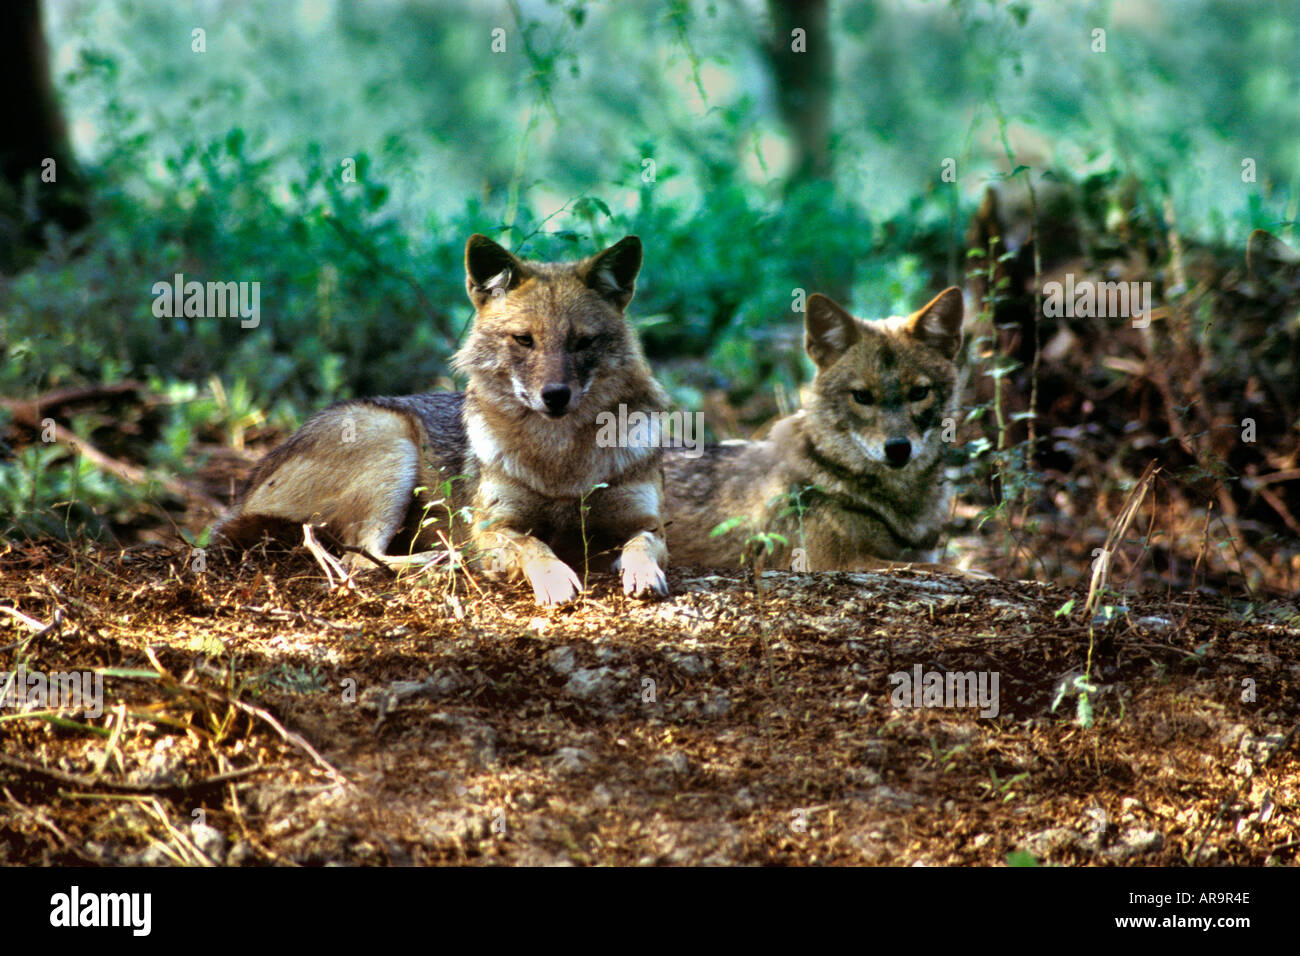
898, 451
556, 398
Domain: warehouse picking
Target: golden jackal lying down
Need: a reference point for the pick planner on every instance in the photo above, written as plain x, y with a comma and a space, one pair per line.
853, 478
549, 351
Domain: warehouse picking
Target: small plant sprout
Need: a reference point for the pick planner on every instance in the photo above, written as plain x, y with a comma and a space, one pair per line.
454, 560
1082, 689
583, 508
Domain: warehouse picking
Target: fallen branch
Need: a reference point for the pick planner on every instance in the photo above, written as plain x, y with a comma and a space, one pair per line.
31, 623
30, 410
88, 782
254, 711
119, 469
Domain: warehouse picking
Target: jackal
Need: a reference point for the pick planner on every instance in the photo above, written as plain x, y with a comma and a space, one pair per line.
550, 349
855, 479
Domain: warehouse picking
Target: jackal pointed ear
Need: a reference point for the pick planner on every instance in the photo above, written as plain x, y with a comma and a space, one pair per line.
489, 270
938, 323
613, 272
829, 330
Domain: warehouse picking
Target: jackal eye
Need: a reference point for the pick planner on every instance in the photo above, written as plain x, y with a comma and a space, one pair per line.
918, 393
584, 343
525, 340
863, 397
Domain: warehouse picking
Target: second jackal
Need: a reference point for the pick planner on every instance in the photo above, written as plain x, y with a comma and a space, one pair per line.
855, 479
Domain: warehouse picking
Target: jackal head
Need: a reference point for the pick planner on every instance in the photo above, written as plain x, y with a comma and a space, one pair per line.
883, 388
546, 334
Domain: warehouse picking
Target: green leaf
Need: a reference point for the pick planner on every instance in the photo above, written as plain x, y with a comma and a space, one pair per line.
1083, 710
133, 672
725, 526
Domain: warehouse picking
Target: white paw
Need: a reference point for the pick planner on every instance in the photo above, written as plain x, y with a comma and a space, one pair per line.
641, 576
553, 581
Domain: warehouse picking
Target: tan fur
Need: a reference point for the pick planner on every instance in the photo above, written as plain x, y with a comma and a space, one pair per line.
549, 350
881, 387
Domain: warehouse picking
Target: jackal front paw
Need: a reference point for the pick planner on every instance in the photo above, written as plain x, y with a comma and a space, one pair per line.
553, 581
642, 577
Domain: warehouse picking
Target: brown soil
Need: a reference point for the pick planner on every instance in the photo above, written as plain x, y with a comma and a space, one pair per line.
420, 721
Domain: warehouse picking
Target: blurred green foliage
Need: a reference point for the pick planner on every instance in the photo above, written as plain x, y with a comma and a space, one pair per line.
228, 165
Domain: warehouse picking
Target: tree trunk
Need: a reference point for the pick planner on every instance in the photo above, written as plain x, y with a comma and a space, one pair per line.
32, 132
803, 74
